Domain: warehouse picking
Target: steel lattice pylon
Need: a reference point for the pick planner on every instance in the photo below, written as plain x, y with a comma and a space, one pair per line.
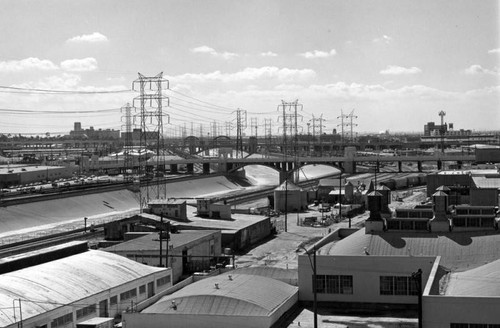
152, 150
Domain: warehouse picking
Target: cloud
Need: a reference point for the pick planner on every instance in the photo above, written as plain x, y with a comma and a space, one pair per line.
26, 64
494, 51
80, 65
478, 69
90, 38
213, 52
249, 74
399, 70
268, 54
318, 54
383, 39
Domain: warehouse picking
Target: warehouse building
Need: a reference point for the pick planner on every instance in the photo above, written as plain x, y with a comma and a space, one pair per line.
234, 300
76, 288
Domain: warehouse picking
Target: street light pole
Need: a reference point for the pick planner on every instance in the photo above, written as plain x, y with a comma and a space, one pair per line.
315, 304
314, 283
417, 276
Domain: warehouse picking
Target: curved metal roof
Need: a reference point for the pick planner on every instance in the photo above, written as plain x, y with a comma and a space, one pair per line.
243, 294
481, 281
459, 251
54, 284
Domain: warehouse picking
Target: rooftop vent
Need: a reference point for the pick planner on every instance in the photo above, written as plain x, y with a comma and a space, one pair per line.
230, 277
216, 286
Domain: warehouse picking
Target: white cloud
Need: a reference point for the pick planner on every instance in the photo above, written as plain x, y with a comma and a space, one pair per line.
268, 54
25, 64
383, 39
494, 51
90, 38
249, 74
213, 52
80, 65
399, 70
318, 54
478, 69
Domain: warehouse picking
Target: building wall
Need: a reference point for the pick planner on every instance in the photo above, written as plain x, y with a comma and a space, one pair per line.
484, 197
440, 311
113, 310
365, 271
436, 180
138, 320
209, 245
296, 200
35, 174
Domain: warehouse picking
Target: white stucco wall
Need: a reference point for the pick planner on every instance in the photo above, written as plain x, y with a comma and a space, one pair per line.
138, 320
366, 271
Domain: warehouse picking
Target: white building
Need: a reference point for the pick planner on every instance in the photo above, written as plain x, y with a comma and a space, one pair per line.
229, 300
76, 288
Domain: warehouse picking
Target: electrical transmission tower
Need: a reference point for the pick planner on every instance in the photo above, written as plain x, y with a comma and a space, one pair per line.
254, 124
268, 133
290, 126
150, 101
318, 124
128, 159
350, 124
241, 124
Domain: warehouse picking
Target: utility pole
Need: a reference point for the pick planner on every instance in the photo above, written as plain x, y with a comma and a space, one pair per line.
442, 129
152, 139
127, 149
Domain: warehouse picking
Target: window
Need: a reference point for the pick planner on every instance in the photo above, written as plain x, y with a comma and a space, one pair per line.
142, 289
398, 285
386, 285
333, 284
128, 294
473, 222
62, 321
162, 281
85, 311
113, 300
459, 222
420, 225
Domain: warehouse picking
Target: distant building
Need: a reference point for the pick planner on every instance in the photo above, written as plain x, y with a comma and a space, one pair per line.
90, 133
17, 174
170, 208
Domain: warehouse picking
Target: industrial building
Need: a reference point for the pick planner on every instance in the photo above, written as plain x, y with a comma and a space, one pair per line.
449, 252
185, 252
228, 300
289, 197
73, 289
18, 174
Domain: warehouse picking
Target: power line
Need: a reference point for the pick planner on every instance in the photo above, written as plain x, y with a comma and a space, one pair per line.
53, 91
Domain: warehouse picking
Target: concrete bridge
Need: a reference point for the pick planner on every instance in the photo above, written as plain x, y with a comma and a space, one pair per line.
286, 165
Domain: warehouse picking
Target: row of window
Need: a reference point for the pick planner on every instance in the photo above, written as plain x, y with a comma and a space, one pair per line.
88, 310
473, 222
83, 312
475, 211
342, 284
474, 325
333, 284
398, 285
406, 225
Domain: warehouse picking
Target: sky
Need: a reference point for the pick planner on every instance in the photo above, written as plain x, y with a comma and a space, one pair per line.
389, 64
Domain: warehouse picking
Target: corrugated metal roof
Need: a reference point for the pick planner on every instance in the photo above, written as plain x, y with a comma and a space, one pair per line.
481, 281
50, 285
151, 241
459, 251
243, 295
487, 182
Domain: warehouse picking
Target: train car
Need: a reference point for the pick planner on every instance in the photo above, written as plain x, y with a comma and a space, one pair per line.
389, 183
401, 183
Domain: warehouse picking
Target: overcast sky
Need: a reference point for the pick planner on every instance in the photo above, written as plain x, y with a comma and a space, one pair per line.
395, 63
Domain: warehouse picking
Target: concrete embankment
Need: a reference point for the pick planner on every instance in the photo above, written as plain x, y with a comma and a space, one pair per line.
51, 212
